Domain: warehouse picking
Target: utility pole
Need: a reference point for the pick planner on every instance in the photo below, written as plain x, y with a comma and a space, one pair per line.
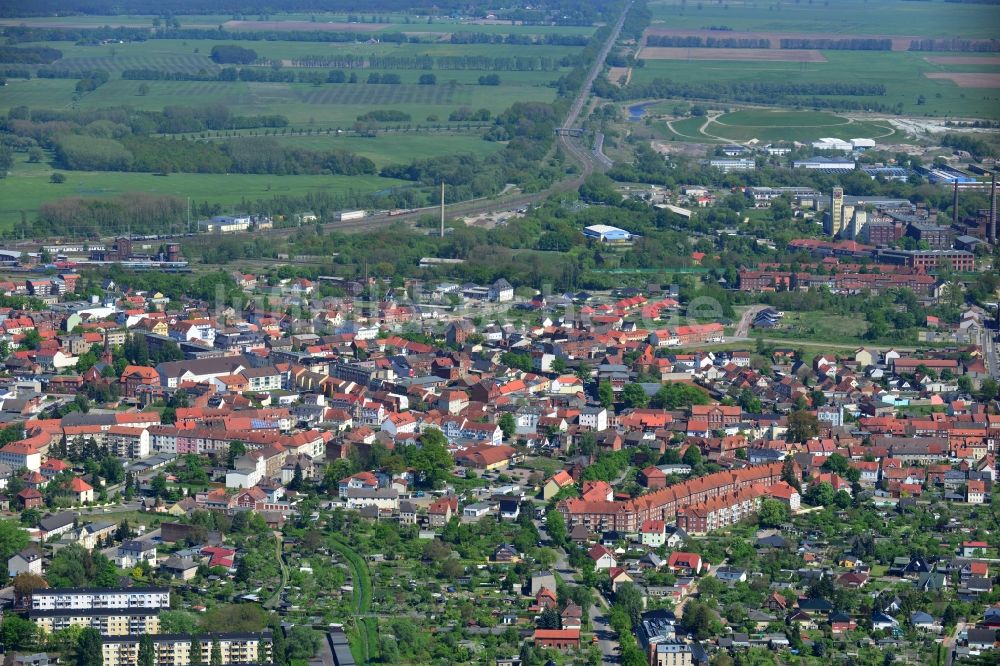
442, 209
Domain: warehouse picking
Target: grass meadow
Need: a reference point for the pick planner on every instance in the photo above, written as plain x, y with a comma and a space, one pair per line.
28, 186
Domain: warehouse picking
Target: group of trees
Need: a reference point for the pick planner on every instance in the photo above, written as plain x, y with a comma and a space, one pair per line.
230, 54
91, 218
848, 44
437, 63
465, 114
708, 42
770, 92
548, 39
29, 55
956, 44
240, 155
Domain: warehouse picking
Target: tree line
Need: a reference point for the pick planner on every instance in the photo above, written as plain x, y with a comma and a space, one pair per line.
260, 155
744, 91
956, 44
42, 124
707, 42
456, 62
33, 55
826, 44
549, 39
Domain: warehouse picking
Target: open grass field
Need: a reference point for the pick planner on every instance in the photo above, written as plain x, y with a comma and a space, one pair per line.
399, 148
820, 326
27, 187
901, 73
932, 18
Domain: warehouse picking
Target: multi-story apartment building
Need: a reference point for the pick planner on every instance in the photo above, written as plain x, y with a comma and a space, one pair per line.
176, 650
108, 621
664, 504
87, 598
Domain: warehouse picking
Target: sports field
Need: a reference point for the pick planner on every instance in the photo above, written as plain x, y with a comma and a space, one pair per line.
767, 126
803, 126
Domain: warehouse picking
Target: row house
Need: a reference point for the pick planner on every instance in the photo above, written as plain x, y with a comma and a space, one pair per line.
719, 512
663, 504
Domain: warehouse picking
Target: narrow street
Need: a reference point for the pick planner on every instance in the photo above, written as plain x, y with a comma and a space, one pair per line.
598, 612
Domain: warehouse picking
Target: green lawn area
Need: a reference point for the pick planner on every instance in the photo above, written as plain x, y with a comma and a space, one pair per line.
27, 186
902, 74
820, 326
546, 465
395, 148
933, 18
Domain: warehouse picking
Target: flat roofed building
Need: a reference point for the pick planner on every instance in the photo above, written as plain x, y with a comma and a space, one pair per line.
101, 597
108, 621
176, 649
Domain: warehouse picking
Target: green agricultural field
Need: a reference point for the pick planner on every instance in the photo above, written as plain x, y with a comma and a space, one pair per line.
27, 186
305, 105
902, 73
932, 18
190, 55
397, 23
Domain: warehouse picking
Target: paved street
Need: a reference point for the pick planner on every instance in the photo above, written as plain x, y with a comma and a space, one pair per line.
987, 341
598, 612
